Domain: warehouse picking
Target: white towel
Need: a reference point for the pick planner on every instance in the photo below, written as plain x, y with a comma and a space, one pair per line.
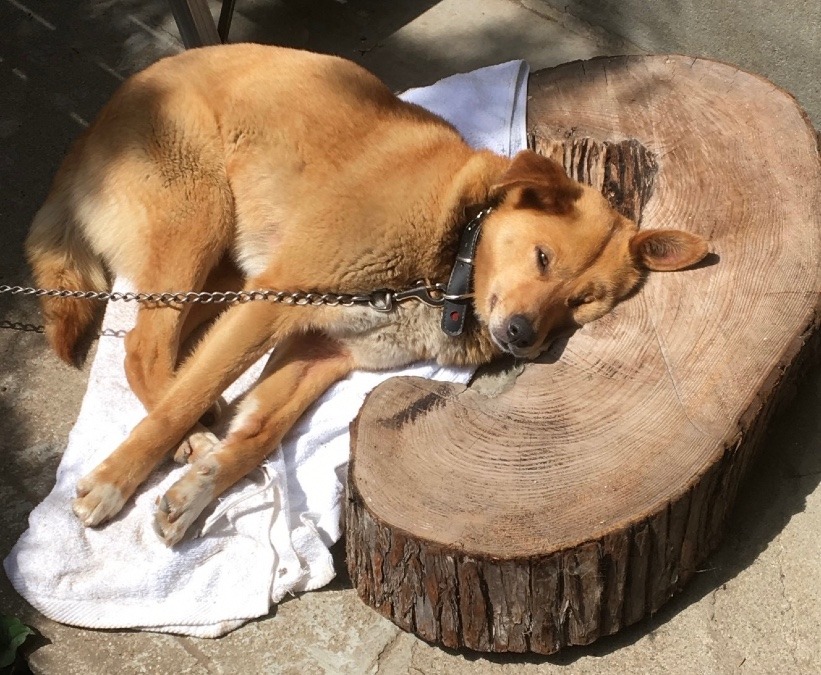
268, 536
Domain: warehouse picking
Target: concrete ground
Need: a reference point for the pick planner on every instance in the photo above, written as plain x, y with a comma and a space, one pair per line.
754, 607
779, 40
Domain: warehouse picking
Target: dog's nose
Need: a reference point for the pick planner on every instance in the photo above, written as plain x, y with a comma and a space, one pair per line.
520, 331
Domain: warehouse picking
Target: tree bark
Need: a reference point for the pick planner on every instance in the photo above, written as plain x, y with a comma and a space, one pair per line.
577, 498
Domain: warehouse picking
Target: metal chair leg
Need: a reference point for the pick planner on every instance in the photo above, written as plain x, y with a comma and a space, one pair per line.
226, 14
195, 23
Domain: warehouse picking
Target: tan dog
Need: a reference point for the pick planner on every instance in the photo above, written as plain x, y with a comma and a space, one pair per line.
309, 174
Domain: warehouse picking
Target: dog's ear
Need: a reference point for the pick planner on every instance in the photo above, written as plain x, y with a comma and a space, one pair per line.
544, 184
667, 250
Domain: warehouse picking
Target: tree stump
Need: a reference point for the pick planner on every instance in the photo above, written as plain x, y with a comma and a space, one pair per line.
578, 498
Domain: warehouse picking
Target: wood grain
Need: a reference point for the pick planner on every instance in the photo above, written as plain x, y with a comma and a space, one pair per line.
580, 499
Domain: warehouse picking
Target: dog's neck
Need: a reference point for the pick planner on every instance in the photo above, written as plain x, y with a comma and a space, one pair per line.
469, 194
470, 201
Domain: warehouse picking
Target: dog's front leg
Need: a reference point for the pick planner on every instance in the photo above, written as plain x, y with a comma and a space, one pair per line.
299, 375
238, 338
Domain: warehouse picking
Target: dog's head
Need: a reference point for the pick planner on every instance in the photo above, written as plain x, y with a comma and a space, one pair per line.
554, 255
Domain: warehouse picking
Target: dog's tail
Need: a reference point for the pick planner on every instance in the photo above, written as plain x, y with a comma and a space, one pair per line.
60, 257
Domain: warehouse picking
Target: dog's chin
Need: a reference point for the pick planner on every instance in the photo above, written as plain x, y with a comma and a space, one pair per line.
516, 352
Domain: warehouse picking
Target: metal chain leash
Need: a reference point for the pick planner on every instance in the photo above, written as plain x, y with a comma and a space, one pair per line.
376, 300
25, 327
382, 300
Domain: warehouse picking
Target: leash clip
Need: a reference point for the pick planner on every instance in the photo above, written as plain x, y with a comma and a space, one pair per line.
432, 295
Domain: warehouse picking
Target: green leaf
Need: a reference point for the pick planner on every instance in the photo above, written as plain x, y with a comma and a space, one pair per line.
12, 634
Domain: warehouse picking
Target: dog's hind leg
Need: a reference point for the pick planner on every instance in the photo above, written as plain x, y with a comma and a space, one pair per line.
240, 336
151, 350
153, 345
296, 377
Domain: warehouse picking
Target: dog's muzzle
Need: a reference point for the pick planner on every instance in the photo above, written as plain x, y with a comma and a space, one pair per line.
516, 336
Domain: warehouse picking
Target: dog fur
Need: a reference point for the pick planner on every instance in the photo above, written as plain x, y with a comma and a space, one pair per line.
263, 167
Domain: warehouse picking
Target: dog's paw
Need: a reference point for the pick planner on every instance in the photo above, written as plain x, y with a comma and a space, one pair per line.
196, 445
97, 501
185, 501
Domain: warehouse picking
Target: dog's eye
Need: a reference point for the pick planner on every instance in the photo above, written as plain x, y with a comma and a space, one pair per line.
542, 260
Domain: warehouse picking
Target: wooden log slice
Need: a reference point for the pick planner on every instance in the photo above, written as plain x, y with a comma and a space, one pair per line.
578, 497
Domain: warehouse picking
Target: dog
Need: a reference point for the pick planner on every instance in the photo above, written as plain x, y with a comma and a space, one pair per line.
256, 167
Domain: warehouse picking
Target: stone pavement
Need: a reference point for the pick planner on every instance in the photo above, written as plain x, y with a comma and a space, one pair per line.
755, 605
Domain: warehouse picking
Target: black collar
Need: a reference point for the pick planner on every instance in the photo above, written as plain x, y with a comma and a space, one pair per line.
459, 291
